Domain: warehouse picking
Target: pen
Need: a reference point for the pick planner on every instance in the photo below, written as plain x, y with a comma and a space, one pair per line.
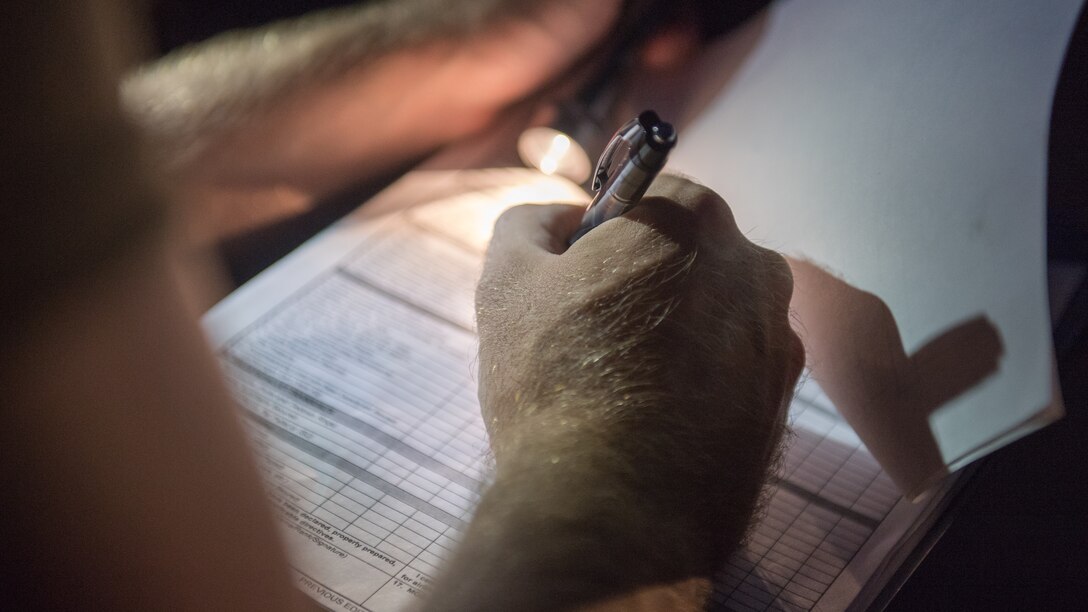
634, 156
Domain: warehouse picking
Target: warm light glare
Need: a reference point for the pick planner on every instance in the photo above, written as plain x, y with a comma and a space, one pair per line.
542, 190
554, 153
471, 215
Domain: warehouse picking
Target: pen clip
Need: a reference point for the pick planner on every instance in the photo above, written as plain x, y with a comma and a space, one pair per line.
615, 153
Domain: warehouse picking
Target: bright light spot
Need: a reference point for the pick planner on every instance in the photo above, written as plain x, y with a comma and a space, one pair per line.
471, 215
553, 152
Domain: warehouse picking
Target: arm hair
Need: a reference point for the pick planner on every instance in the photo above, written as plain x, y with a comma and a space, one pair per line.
203, 90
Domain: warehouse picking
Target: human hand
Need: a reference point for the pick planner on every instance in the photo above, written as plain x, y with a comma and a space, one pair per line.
634, 388
662, 337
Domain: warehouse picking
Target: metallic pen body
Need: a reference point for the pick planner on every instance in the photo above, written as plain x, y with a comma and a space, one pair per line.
626, 169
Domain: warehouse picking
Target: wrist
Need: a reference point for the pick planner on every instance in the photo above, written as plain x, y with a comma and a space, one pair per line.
649, 515
573, 517
643, 469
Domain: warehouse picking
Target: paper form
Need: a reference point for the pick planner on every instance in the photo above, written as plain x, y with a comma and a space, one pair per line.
829, 499
354, 361
902, 147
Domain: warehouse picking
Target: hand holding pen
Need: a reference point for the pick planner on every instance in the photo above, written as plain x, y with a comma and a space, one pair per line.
629, 164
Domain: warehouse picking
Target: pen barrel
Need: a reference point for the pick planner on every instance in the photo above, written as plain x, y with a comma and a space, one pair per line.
604, 207
626, 169
624, 191
636, 177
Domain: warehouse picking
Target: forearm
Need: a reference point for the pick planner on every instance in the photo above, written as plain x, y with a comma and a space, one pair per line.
243, 106
577, 516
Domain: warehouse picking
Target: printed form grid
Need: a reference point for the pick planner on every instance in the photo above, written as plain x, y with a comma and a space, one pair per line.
378, 515
409, 431
410, 424
830, 497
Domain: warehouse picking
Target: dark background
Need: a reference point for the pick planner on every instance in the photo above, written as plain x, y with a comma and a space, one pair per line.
1016, 536
180, 22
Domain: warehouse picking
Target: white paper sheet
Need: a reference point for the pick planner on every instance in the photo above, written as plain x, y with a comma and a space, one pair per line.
354, 360
902, 146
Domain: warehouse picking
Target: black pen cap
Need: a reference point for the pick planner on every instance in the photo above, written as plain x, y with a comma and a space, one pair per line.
660, 135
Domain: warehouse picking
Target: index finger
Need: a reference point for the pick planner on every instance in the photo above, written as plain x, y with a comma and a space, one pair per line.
531, 232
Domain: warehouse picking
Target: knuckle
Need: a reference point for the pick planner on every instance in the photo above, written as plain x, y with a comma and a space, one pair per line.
780, 272
711, 212
797, 355
778, 279
690, 214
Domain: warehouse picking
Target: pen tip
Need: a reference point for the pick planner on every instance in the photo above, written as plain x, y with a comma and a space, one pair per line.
661, 136
648, 119
663, 133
